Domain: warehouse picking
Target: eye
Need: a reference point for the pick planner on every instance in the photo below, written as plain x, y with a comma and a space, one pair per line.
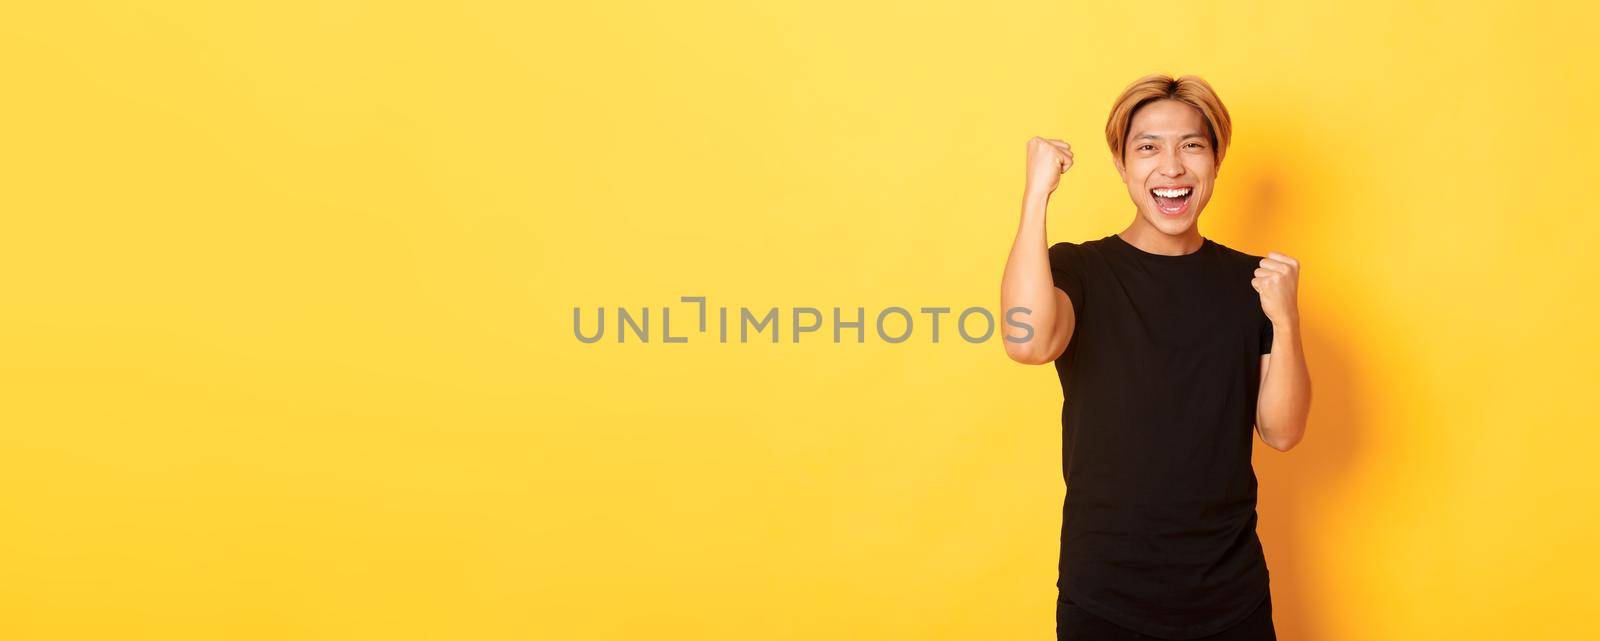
1145, 146
1197, 145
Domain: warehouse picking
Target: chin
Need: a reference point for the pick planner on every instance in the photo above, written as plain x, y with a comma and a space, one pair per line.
1169, 225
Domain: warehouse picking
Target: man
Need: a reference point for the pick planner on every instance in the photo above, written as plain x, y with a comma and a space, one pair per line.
1170, 347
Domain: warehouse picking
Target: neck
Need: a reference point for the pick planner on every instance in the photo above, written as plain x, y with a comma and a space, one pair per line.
1146, 237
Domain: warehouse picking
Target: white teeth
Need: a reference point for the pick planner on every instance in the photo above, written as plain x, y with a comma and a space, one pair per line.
1171, 193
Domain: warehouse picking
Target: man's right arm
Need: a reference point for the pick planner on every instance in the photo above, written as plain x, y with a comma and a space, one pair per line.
1028, 281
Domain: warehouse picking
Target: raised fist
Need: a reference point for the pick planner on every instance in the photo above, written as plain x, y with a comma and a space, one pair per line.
1048, 159
1277, 280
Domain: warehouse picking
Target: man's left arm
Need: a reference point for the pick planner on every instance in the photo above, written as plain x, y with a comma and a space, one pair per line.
1284, 402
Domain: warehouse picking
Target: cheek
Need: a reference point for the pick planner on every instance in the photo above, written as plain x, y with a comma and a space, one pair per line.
1138, 179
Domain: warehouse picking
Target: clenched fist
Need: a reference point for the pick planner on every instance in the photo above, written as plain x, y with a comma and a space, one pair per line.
1277, 280
1048, 158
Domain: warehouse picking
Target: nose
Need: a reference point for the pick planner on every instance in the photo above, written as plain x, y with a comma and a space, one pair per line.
1171, 165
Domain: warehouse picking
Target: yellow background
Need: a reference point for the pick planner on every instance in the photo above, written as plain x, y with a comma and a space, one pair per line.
288, 293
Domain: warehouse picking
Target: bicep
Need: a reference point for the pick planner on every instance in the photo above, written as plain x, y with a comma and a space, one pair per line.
1066, 322
1266, 361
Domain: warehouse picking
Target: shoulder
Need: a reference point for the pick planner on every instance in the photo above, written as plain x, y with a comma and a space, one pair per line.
1065, 250
1235, 257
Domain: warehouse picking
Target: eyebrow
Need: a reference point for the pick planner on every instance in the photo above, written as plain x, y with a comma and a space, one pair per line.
1155, 137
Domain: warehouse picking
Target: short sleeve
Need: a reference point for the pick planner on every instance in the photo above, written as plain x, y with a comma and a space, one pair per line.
1066, 266
1266, 337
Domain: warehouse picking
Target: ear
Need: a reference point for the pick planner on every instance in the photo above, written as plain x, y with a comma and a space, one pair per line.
1121, 171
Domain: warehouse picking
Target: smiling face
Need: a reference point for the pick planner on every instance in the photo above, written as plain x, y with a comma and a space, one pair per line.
1168, 165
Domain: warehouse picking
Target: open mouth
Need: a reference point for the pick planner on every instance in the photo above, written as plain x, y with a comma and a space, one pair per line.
1173, 201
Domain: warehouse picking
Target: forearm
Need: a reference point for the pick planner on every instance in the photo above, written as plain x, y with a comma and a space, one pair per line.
1285, 399
1028, 283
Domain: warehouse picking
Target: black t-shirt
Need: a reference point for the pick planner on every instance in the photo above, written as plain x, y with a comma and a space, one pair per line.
1160, 379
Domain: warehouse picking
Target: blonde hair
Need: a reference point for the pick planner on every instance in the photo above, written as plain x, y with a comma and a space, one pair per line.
1190, 90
